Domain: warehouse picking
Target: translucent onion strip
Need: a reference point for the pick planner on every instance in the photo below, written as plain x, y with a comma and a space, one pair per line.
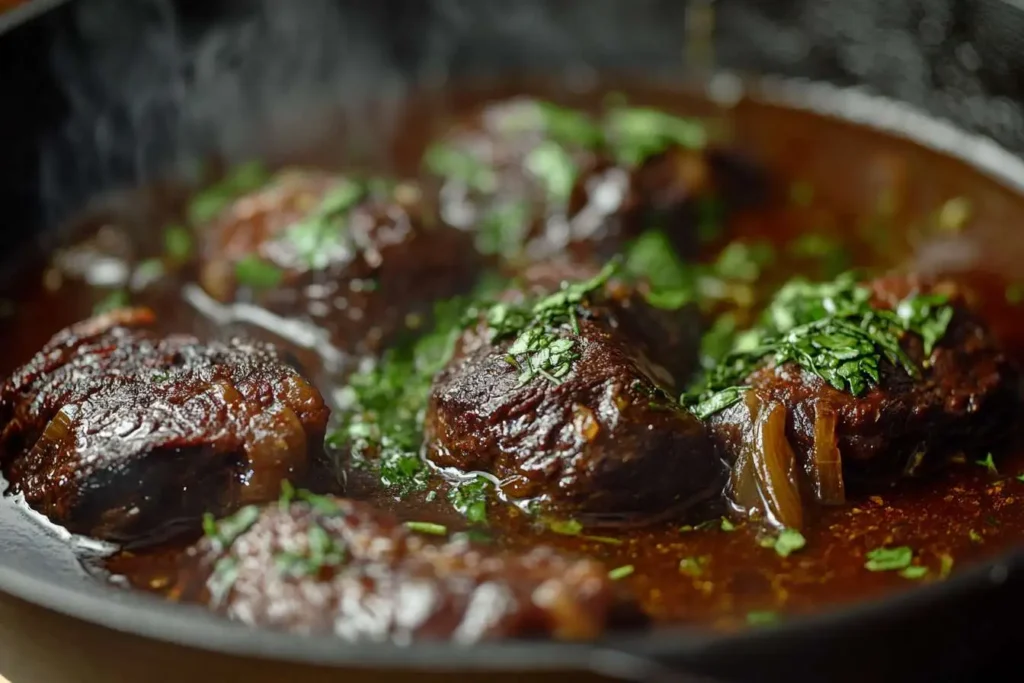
775, 469
826, 465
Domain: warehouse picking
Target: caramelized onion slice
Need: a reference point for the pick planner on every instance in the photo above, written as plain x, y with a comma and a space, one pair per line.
775, 469
743, 490
826, 465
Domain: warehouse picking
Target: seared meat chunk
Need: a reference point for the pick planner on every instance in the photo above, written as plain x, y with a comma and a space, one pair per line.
947, 389
534, 179
574, 406
353, 257
328, 565
115, 432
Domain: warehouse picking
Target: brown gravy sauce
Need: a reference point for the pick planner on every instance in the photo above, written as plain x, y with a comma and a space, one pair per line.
883, 197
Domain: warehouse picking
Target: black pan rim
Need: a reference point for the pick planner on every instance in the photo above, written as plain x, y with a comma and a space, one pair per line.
143, 615
21, 14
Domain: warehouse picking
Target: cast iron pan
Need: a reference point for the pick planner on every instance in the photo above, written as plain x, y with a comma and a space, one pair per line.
926, 633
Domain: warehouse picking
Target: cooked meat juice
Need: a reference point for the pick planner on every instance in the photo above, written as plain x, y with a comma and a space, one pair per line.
520, 438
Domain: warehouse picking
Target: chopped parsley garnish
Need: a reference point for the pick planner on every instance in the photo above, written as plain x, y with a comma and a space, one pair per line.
762, 617
252, 271
829, 329
542, 346
177, 242
146, 273
989, 464
224, 531
914, 572
111, 302
569, 126
209, 202
945, 565
727, 525
555, 168
503, 228
889, 559
789, 541
324, 227
693, 566
450, 162
831, 256
570, 527
954, 215
427, 528
566, 527
222, 580
382, 421
636, 133
674, 282
975, 537
1014, 293
620, 572
322, 550
470, 498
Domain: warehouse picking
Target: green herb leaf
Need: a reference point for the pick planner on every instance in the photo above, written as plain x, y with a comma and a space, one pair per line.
635, 134
540, 347
227, 529
427, 528
211, 201
693, 566
762, 618
975, 537
459, 165
607, 540
945, 565
470, 498
914, 572
286, 497
111, 302
555, 168
569, 126
789, 541
566, 527
325, 227
382, 420
222, 580
1014, 293
252, 271
503, 228
620, 572
177, 242
889, 559
829, 329
727, 525
989, 464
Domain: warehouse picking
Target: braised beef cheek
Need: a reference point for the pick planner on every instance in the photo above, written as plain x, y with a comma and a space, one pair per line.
963, 402
342, 567
346, 255
608, 442
118, 433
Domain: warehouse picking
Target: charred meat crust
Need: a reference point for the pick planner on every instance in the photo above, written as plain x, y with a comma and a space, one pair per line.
608, 443
357, 272
115, 432
966, 396
342, 567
